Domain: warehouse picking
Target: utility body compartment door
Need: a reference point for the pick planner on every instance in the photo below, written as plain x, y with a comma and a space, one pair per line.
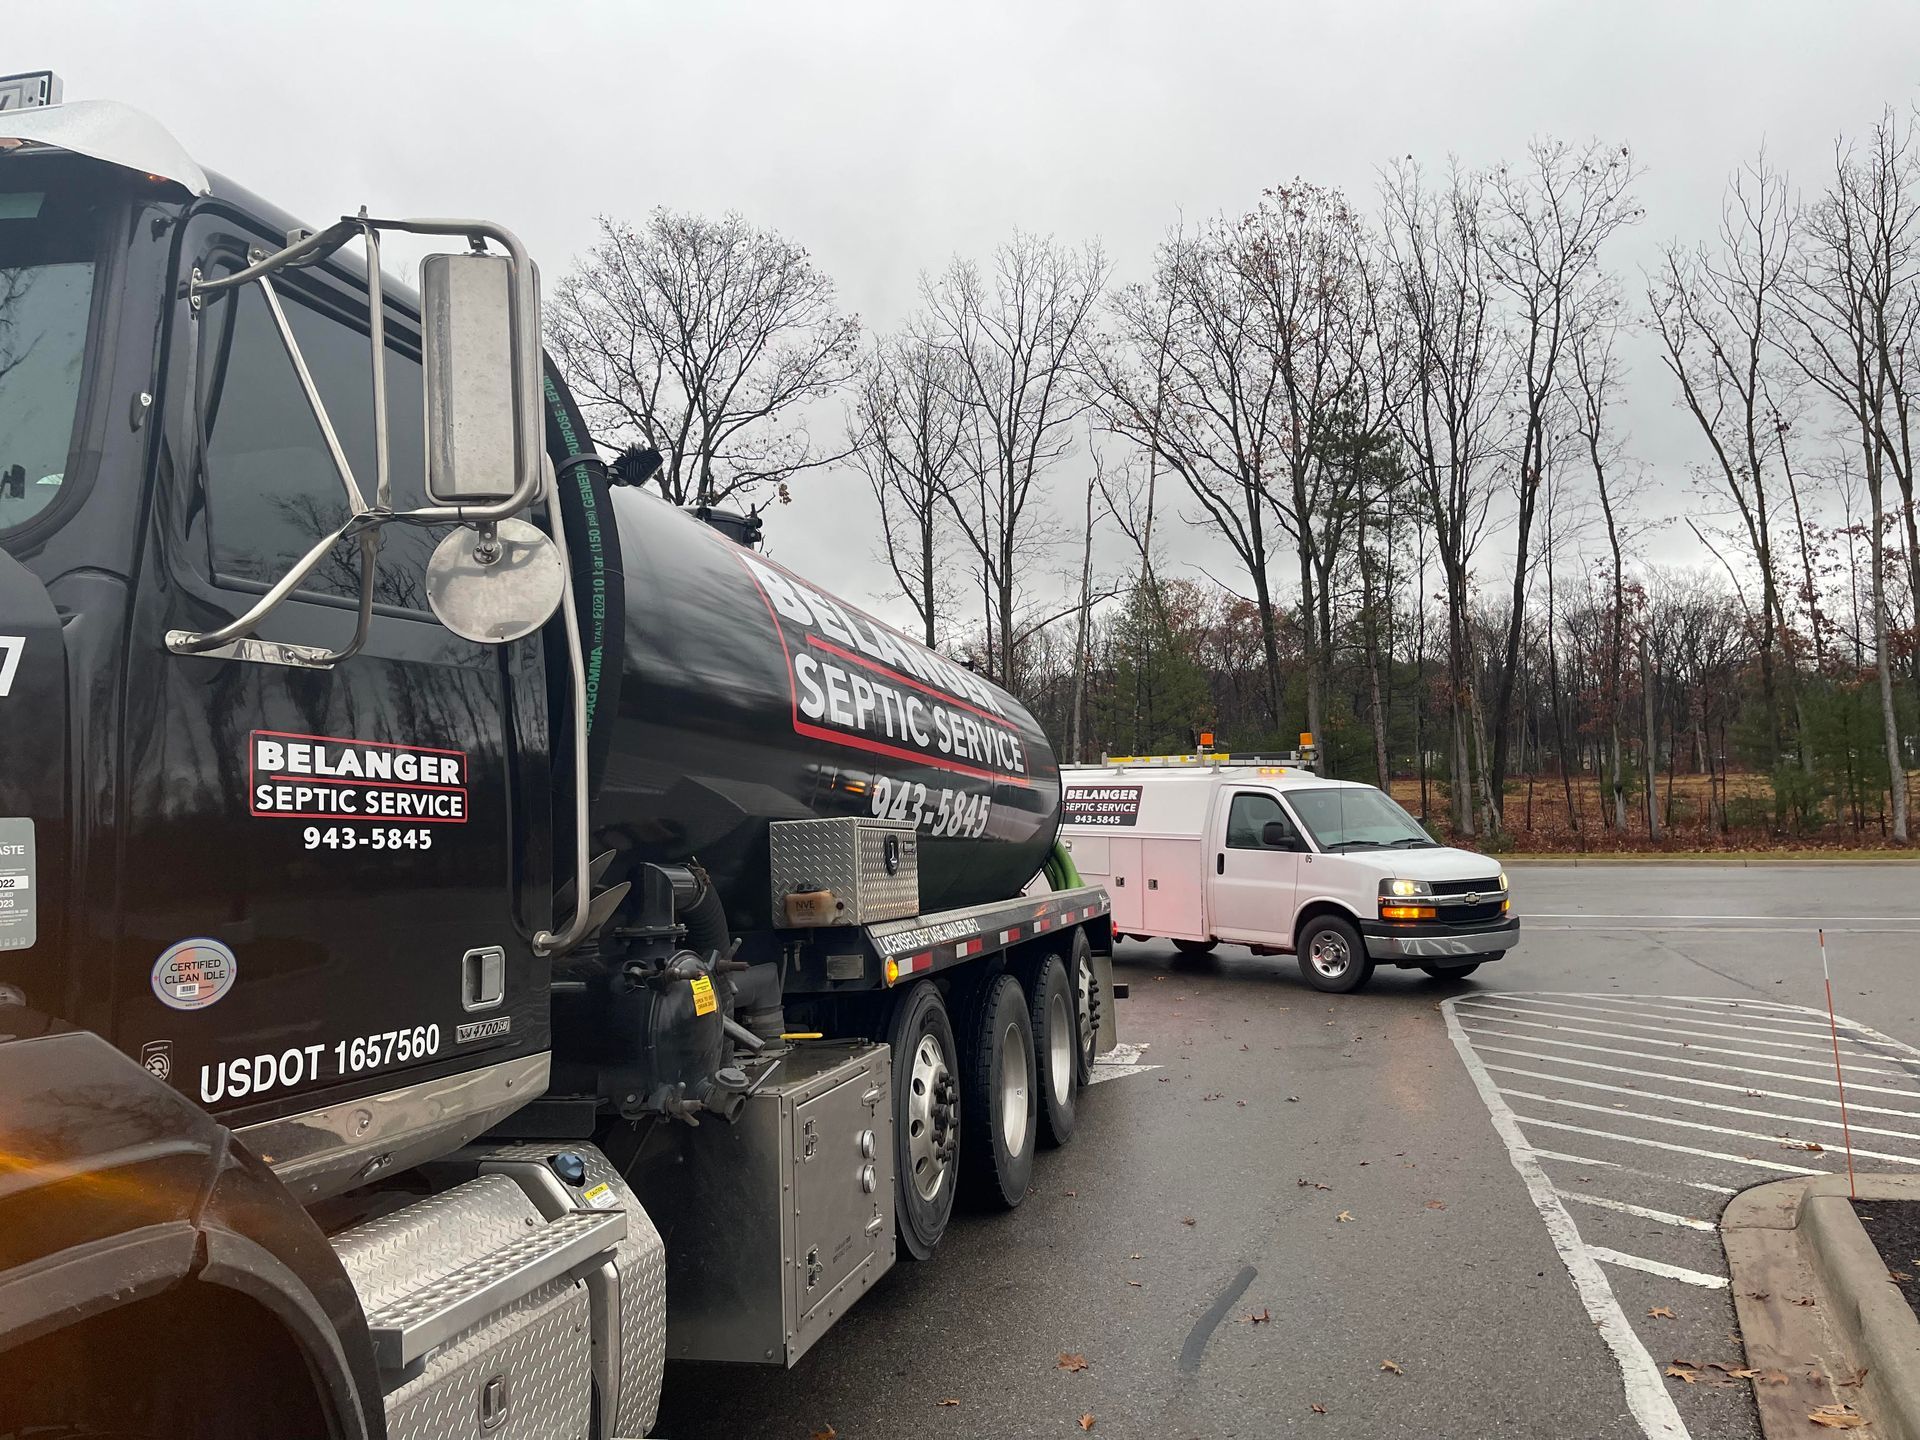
1252, 885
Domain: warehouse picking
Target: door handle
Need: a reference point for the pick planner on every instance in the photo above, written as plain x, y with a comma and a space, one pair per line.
1220, 863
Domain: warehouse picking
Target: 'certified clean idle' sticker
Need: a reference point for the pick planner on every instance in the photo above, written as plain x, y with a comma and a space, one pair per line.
16, 884
193, 974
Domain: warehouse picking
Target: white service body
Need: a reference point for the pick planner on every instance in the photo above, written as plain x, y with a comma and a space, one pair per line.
1181, 851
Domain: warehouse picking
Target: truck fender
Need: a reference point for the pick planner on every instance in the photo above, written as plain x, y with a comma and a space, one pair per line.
1317, 905
124, 1189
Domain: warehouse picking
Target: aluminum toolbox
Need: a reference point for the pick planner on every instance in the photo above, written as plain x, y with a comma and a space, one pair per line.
871, 867
777, 1223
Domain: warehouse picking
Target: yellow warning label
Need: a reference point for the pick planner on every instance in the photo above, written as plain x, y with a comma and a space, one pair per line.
601, 1197
703, 1001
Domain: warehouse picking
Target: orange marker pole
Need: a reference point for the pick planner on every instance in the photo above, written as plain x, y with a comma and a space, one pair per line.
1833, 1025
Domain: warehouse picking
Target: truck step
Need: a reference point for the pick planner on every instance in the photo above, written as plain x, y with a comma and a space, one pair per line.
411, 1325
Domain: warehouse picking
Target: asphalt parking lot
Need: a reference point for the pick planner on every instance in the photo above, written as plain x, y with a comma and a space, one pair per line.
1477, 1208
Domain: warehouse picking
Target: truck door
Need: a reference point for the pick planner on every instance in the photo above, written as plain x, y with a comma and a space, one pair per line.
319, 872
1253, 882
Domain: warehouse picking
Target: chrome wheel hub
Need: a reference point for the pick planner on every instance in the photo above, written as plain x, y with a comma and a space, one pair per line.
1330, 954
1013, 1090
932, 1104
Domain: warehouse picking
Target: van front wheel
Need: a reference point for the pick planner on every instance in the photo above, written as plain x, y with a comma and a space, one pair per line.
1333, 957
1451, 972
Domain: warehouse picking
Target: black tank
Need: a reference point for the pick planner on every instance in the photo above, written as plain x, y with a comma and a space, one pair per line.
749, 695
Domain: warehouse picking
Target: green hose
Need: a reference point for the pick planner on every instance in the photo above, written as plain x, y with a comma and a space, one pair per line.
1061, 872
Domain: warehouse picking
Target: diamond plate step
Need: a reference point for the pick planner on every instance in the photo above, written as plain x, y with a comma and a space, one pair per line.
411, 1325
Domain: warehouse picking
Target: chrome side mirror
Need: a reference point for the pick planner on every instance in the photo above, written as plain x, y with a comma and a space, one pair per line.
468, 362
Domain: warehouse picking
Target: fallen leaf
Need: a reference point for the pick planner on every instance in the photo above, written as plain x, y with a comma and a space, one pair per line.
1389, 1365
1240, 1103
1343, 1217
1773, 1377
826, 1432
1837, 1417
1436, 1204
1133, 1257
1295, 1100
949, 1402
1737, 1372
1758, 1294
1314, 1183
1319, 1409
1070, 1362
1186, 1220
1680, 1372
1813, 1147
1804, 1300
1896, 1276
1660, 1312
1134, 1283
1072, 1192
1086, 1422
1260, 1317
1859, 1377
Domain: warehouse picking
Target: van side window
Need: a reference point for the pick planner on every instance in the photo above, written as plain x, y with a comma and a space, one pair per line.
272, 489
1248, 815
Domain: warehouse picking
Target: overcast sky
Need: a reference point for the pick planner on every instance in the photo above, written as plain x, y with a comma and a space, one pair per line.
886, 137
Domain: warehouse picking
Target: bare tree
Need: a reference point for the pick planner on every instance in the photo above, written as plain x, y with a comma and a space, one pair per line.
1309, 258
1548, 221
1451, 422
1855, 307
706, 340
1187, 374
1013, 336
1716, 315
908, 429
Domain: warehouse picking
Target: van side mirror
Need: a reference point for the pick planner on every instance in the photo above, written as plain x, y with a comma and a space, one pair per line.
467, 363
1278, 835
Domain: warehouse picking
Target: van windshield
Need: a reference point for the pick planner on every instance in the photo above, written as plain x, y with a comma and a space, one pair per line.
49, 235
1356, 817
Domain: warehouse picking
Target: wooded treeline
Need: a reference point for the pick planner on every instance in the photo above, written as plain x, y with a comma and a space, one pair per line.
1398, 421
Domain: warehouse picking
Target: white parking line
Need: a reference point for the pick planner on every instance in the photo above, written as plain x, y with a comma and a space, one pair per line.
1647, 1013
1640, 1059
1815, 1079
1124, 1059
1786, 919
1702, 1104
1630, 1170
1759, 1135
1659, 1267
1647, 1397
1665, 1217
1669, 1145
1508, 1018
1691, 1080
1574, 1012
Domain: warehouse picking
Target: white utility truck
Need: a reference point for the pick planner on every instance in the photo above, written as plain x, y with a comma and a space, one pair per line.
1204, 848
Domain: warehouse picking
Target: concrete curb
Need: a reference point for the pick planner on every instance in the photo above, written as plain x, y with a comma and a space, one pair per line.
1811, 1224
1875, 1319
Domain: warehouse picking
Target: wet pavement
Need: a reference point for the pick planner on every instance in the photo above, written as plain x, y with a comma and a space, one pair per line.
1431, 1209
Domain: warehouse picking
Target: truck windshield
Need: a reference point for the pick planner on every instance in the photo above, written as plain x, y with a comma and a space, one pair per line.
49, 236
1356, 817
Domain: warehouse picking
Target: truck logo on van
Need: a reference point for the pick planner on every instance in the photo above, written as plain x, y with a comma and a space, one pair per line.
1103, 805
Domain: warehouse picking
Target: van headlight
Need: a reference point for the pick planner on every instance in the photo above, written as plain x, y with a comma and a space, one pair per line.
1405, 887
1503, 882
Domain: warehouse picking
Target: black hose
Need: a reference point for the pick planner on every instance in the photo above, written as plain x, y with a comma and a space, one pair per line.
706, 919
593, 548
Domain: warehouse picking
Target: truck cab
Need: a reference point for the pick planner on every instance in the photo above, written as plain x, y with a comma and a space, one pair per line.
1204, 849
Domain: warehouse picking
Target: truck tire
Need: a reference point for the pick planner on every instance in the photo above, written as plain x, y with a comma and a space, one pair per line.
926, 1117
997, 1098
1056, 1036
1195, 947
1451, 972
1084, 981
1333, 957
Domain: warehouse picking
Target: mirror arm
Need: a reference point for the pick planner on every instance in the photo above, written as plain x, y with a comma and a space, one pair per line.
377, 333
366, 527
356, 502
